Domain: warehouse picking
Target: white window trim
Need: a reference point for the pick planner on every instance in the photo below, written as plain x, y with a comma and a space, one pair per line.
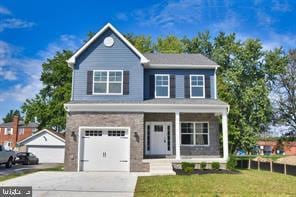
155, 76
194, 133
203, 87
107, 82
8, 133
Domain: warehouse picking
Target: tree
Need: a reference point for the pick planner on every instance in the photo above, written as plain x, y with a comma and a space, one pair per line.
48, 105
285, 95
169, 44
142, 43
199, 44
9, 116
243, 81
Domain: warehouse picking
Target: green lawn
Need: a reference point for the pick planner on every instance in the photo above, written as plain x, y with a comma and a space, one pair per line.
247, 183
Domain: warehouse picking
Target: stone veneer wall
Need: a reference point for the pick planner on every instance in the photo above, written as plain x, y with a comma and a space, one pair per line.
213, 150
133, 120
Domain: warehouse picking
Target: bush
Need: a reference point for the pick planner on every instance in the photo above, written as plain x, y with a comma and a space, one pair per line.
216, 165
231, 163
203, 165
187, 167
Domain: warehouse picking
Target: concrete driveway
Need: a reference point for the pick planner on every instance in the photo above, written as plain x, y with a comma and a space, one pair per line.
72, 184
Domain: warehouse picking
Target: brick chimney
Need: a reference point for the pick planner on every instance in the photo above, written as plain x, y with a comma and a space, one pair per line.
15, 123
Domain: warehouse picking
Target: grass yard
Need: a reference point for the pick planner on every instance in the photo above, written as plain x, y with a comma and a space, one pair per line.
247, 183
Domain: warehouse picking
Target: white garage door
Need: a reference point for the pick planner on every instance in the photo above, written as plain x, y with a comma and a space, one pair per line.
48, 154
105, 149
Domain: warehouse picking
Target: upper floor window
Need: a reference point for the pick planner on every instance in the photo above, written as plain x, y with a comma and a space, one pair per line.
8, 131
197, 86
21, 131
162, 89
107, 82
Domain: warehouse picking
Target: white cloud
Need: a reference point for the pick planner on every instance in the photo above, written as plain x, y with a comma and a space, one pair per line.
14, 23
28, 67
167, 14
275, 40
281, 6
264, 19
121, 16
4, 11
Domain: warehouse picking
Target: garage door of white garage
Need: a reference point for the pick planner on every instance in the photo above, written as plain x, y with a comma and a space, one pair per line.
104, 149
48, 154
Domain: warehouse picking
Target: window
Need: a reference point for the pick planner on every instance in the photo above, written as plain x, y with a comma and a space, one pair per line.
187, 133
158, 128
8, 131
148, 137
162, 89
116, 133
93, 133
21, 131
169, 138
197, 86
107, 82
195, 133
201, 134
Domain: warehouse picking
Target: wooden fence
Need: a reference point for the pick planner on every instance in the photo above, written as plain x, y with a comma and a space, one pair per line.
267, 166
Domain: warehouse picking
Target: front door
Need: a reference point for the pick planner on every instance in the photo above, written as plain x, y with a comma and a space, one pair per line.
158, 138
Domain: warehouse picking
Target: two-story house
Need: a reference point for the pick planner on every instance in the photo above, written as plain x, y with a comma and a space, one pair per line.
15, 131
129, 110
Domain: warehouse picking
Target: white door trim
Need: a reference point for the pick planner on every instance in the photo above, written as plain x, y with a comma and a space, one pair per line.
87, 127
165, 124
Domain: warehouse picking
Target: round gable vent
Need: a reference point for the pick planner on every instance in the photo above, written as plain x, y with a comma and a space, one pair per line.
108, 41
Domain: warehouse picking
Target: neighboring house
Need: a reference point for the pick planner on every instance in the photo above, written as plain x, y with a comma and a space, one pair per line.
129, 109
15, 131
48, 146
271, 147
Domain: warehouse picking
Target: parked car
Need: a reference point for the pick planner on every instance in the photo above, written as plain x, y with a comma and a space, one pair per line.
26, 158
7, 157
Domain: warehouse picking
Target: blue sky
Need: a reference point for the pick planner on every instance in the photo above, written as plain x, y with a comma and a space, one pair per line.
31, 30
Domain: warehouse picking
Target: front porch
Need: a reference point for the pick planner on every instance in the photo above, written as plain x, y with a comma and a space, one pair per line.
180, 136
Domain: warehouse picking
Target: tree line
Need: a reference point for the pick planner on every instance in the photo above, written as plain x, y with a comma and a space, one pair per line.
247, 76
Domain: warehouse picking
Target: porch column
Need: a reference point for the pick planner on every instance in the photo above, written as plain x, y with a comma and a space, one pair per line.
177, 128
225, 135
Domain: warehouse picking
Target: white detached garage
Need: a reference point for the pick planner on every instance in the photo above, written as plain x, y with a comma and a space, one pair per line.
47, 145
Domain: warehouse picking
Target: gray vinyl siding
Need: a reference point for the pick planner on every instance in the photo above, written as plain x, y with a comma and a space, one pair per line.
99, 57
180, 73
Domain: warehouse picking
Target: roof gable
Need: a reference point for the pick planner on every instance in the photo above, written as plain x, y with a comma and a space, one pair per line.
44, 137
72, 60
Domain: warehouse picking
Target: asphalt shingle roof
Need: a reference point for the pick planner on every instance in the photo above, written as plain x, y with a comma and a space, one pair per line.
21, 124
181, 59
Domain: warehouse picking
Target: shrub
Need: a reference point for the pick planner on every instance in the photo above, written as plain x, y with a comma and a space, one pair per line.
203, 165
216, 165
187, 167
231, 163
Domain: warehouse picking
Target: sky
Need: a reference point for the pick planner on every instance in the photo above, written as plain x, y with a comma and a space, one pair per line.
32, 31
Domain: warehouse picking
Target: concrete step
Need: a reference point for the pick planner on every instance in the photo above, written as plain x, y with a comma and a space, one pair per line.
161, 168
161, 173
